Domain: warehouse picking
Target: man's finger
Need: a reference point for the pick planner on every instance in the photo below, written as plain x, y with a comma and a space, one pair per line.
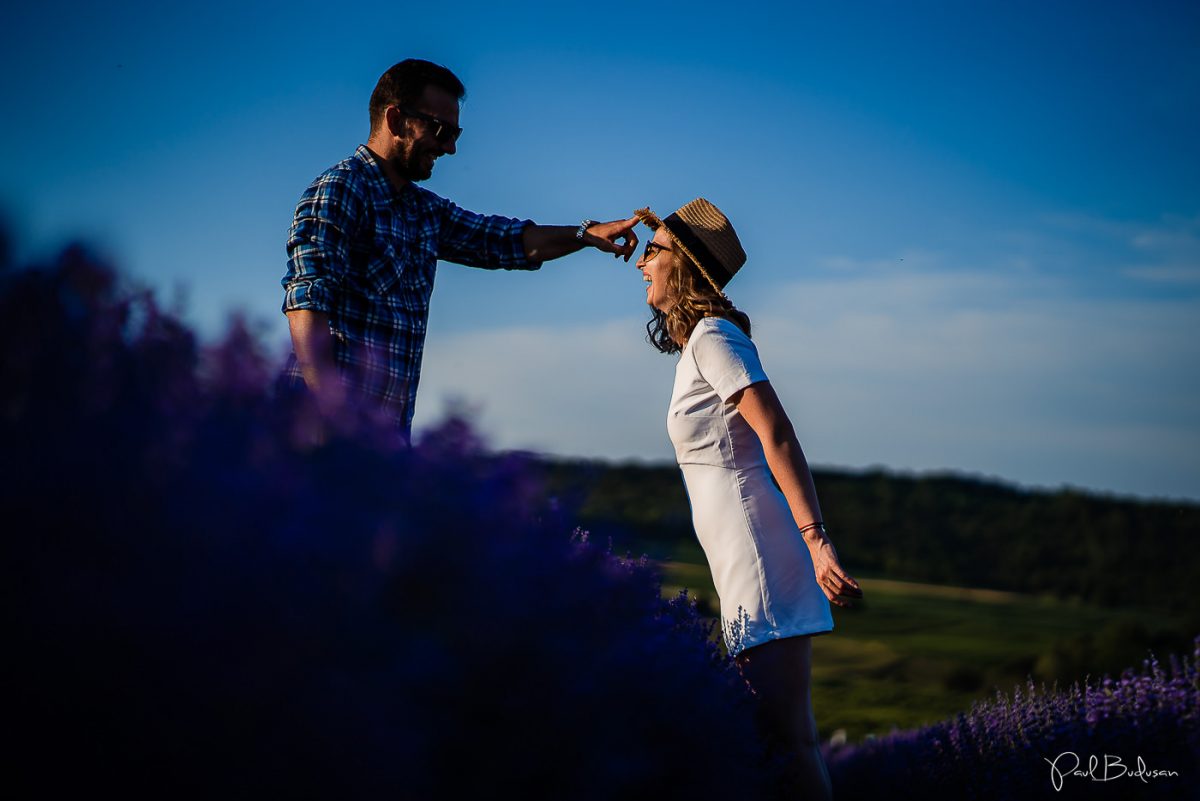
621, 225
631, 243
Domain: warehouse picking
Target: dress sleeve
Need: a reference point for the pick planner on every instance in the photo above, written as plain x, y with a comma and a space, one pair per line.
725, 356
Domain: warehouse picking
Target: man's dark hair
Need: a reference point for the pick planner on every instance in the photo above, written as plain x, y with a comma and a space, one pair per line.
404, 83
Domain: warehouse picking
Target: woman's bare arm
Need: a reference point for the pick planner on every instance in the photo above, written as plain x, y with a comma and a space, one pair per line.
760, 407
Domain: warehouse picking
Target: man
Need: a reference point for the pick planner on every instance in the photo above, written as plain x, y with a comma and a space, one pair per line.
364, 246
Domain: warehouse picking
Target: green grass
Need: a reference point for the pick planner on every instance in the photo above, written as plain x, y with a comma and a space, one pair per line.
912, 654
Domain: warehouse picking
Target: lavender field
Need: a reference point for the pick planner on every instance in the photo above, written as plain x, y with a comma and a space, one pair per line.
203, 603
1134, 736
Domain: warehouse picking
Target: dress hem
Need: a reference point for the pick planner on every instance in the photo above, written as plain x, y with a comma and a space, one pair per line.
780, 634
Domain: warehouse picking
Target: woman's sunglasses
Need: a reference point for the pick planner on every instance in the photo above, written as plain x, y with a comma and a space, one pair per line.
652, 250
443, 131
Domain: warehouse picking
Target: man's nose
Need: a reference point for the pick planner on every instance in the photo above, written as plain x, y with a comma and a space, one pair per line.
449, 147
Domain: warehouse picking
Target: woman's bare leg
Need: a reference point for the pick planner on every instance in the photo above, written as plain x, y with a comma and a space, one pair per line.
779, 673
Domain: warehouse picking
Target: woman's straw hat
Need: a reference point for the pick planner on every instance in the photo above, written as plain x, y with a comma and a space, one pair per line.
704, 234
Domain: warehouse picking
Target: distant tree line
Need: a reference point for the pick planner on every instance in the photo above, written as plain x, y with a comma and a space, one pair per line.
941, 529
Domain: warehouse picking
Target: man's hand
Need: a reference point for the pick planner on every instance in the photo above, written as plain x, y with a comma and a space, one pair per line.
314, 352
605, 236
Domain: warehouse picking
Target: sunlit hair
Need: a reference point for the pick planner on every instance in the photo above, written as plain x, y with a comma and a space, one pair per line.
694, 299
404, 83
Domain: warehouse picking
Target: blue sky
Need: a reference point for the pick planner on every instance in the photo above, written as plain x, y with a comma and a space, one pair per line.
973, 229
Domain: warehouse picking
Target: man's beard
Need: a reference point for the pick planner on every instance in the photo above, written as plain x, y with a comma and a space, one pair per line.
415, 165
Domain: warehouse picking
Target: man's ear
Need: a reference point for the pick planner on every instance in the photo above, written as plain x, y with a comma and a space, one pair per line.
393, 120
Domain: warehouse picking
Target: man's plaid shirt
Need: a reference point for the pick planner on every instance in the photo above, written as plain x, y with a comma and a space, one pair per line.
366, 253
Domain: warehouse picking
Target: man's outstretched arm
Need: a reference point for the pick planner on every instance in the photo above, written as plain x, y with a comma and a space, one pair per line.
546, 242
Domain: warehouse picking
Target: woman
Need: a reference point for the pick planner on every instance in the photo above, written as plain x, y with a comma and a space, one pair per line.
773, 564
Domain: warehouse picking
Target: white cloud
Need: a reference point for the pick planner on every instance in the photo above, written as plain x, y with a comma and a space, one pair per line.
1172, 250
1183, 274
921, 371
1165, 252
591, 391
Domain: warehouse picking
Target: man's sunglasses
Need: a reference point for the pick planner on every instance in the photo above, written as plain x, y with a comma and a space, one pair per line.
443, 131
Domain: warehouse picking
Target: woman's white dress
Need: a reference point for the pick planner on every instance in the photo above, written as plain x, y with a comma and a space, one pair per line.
760, 565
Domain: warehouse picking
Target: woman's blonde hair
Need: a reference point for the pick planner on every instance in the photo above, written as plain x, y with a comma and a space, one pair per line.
694, 299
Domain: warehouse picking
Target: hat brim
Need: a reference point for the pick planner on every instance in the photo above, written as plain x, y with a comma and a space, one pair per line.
654, 222
649, 218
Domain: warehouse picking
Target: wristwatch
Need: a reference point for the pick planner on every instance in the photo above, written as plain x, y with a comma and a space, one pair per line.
583, 226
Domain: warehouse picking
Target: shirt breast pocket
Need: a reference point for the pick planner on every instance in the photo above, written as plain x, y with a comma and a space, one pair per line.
383, 269
419, 266
397, 264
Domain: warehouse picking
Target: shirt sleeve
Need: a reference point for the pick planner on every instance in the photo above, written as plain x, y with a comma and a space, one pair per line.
318, 246
478, 240
725, 356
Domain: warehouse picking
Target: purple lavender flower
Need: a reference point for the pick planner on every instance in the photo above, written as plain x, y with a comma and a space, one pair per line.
199, 606
1002, 749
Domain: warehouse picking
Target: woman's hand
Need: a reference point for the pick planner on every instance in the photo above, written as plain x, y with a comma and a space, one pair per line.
831, 578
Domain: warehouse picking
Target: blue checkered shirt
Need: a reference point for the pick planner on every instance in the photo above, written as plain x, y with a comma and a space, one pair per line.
366, 253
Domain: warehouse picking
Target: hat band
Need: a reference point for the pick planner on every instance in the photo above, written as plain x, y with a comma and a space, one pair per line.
708, 262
